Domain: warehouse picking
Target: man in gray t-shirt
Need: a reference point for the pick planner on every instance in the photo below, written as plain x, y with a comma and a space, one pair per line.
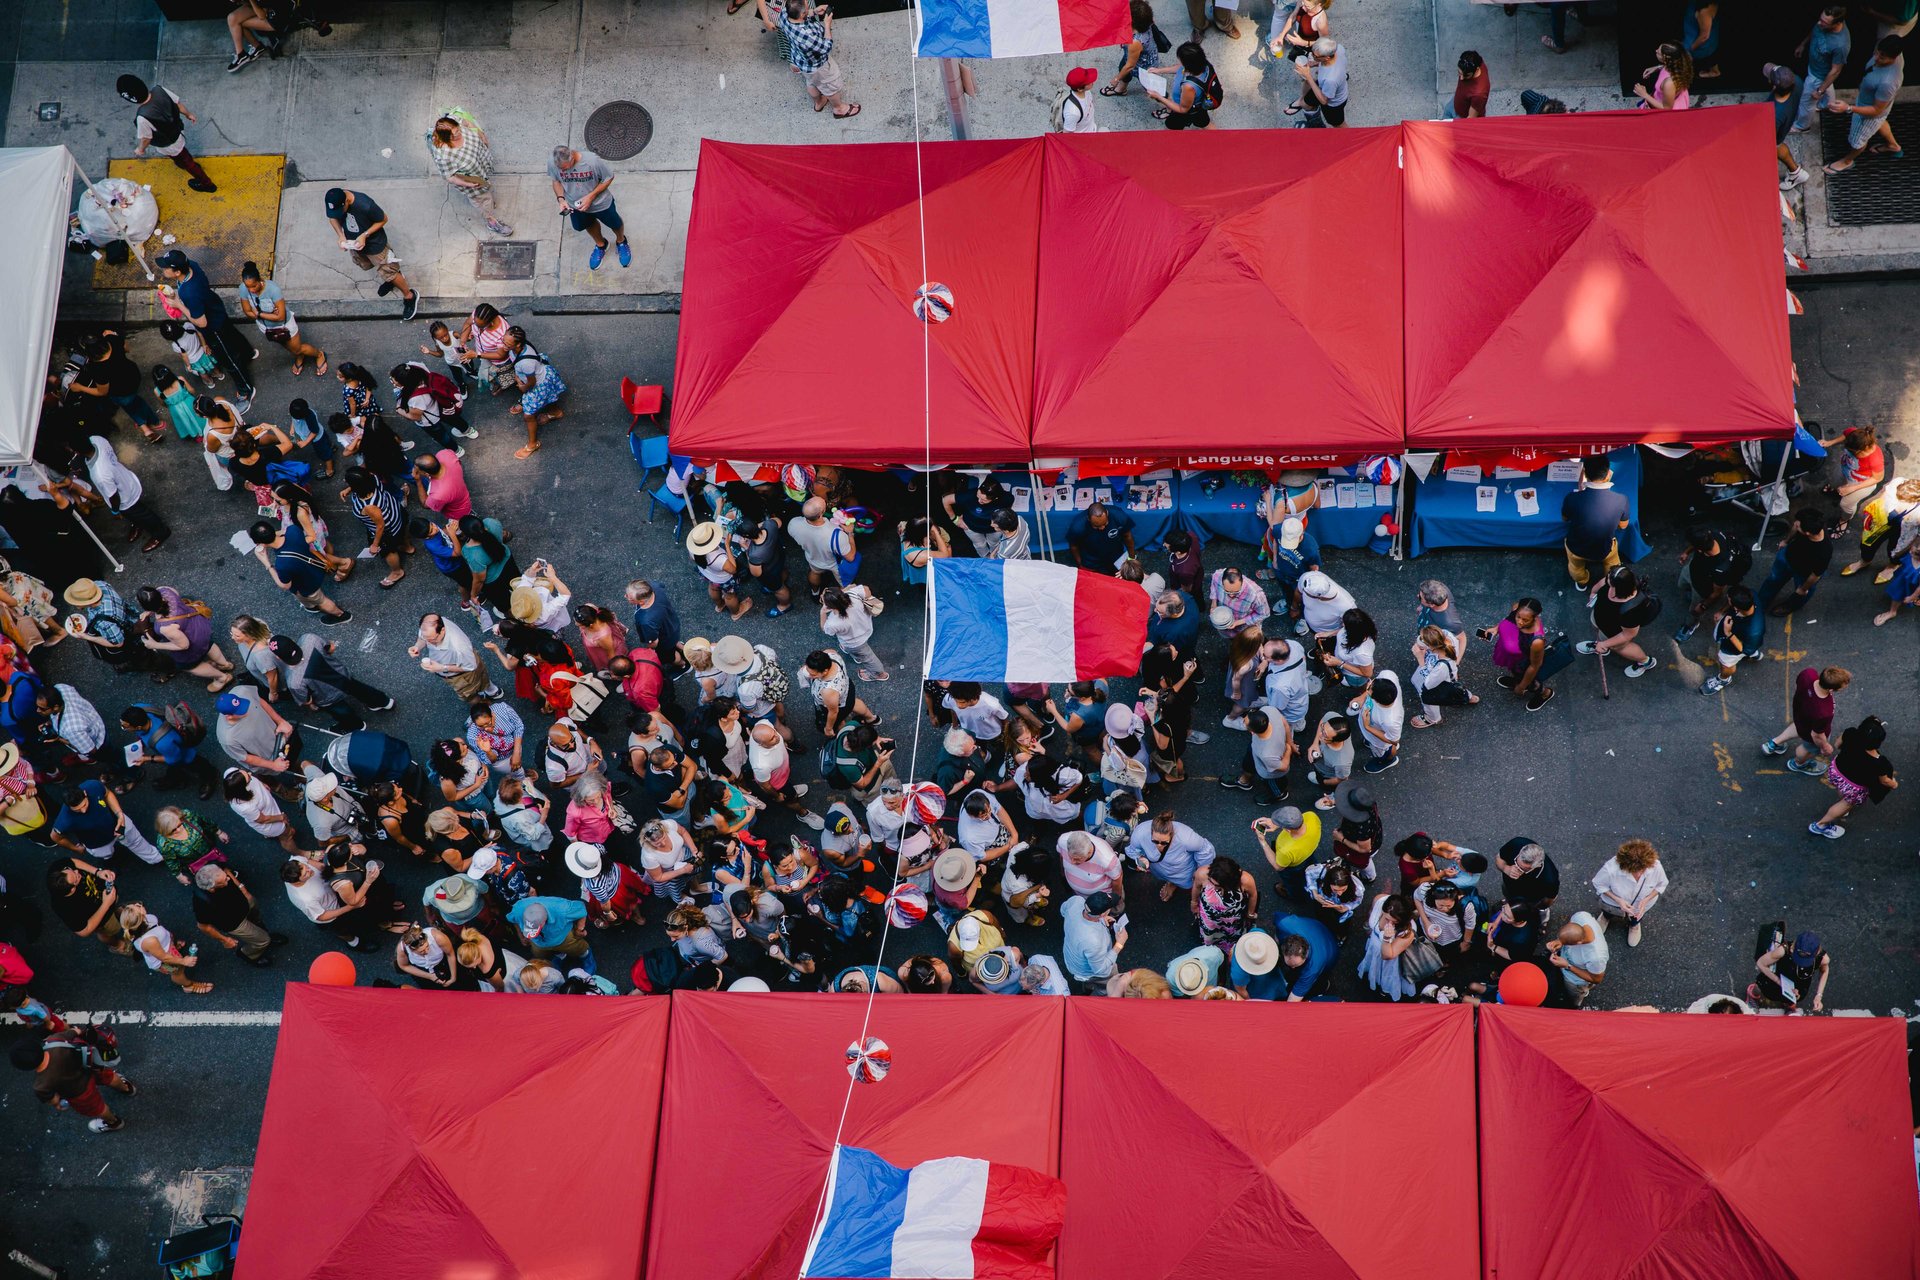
1826, 48
582, 183
1872, 104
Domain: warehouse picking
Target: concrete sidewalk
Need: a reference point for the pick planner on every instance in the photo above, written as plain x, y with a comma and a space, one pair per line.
353, 108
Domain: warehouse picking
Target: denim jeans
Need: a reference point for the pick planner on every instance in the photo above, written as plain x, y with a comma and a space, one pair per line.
1777, 578
138, 409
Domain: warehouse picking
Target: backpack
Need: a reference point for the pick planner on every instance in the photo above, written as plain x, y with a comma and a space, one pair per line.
180, 718
444, 393
1212, 92
1057, 114
772, 678
655, 972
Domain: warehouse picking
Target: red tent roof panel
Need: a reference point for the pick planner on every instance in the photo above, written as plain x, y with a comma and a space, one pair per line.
970, 1077
1292, 1174
1215, 247
409, 1144
798, 334
1675, 1145
1609, 259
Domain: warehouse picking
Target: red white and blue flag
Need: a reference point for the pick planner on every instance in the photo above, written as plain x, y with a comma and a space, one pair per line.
1032, 622
1019, 28
952, 1219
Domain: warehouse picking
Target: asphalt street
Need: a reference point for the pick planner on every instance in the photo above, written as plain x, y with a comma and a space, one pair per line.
1657, 760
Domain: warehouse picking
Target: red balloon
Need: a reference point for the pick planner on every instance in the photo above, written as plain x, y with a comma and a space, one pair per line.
332, 969
1522, 984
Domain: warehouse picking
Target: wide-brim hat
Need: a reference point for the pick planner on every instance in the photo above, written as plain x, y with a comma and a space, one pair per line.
9, 757
585, 860
456, 898
1190, 977
1354, 801
82, 594
1256, 953
732, 654
992, 969
953, 870
705, 539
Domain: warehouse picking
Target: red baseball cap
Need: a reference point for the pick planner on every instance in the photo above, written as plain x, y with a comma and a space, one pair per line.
1081, 77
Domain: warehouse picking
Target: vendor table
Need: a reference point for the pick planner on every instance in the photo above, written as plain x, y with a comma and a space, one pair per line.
1445, 511
1231, 510
1150, 527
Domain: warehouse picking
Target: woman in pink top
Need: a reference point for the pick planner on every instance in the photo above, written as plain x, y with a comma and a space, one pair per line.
1675, 77
485, 334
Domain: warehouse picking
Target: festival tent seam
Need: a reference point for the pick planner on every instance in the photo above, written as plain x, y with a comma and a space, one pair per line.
798, 338
1285, 1175
774, 1064
1613, 280
1213, 248
444, 1127
1719, 1120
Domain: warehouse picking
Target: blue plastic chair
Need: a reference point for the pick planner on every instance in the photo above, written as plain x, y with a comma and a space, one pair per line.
650, 452
665, 497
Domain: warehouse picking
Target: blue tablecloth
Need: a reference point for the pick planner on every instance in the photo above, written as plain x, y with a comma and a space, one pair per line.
1232, 511
1150, 528
1444, 514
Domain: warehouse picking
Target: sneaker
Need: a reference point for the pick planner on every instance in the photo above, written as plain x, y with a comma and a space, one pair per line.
598, 256
1323, 803
1812, 768
1586, 647
498, 227
1506, 681
814, 821
410, 307
1236, 784
409, 445
1233, 722
1831, 830
1686, 631
1633, 934
335, 620
1380, 764
1714, 684
388, 705
625, 254
1637, 669
100, 1124
799, 788
471, 433
1772, 748
201, 185
241, 59
386, 287
1540, 699
1301, 628
1199, 739
459, 451
1798, 178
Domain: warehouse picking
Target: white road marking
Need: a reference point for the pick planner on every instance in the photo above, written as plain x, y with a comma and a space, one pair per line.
177, 1018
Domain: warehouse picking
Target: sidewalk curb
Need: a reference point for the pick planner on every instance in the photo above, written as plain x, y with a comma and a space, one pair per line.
100, 307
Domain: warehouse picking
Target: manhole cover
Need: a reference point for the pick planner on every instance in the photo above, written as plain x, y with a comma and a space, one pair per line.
619, 130
505, 260
1879, 190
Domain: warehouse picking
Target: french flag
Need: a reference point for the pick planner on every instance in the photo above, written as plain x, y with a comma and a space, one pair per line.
953, 1218
1032, 622
1019, 28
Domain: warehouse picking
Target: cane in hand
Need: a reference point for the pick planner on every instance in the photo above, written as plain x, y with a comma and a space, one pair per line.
1601, 655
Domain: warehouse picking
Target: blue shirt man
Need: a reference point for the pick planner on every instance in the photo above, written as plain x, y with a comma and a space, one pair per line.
1255, 968
655, 622
1304, 972
1101, 536
1091, 942
1179, 629
1173, 852
552, 926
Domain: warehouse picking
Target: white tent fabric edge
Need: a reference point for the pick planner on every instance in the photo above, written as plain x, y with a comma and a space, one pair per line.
36, 194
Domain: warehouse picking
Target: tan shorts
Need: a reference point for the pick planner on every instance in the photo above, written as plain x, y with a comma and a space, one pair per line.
826, 79
1582, 571
384, 262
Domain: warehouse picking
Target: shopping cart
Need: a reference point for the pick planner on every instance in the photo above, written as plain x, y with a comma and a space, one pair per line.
206, 1252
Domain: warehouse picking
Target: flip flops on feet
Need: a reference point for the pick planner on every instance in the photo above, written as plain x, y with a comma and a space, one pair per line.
848, 114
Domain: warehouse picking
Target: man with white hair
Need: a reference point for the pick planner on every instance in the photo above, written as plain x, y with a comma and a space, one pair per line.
1323, 602
1324, 86
580, 183
1089, 864
1530, 878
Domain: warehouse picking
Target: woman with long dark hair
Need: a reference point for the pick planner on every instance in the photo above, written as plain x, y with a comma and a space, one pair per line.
483, 546
1519, 650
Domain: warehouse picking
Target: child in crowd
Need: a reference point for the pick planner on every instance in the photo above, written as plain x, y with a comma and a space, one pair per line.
173, 389
186, 340
448, 348
1330, 758
304, 425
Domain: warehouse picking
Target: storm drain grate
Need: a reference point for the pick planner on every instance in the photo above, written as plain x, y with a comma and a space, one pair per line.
505, 260
1878, 190
619, 130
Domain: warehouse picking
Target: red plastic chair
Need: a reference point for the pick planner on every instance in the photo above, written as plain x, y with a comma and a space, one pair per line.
641, 402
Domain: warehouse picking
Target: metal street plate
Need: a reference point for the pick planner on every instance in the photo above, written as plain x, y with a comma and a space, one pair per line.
505, 260
1879, 190
49, 111
619, 130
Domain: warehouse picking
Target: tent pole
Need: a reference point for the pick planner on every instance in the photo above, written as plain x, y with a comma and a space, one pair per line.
1399, 517
1043, 525
84, 526
1766, 508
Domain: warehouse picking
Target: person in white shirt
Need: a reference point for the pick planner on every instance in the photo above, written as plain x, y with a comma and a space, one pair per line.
1629, 883
1580, 954
445, 651
109, 480
980, 713
1381, 712
887, 816
823, 543
541, 600
1076, 106
846, 614
308, 890
1323, 602
1089, 864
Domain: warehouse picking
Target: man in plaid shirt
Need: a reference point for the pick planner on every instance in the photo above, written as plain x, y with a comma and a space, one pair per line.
808, 30
465, 159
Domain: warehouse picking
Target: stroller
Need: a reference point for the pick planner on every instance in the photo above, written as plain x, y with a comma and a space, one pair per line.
1748, 475
367, 756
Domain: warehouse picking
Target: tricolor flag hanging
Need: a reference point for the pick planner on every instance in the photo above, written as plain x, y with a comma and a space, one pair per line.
1032, 622
958, 1217
1019, 28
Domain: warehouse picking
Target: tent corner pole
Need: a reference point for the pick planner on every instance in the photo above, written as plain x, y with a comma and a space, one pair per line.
1398, 553
1766, 507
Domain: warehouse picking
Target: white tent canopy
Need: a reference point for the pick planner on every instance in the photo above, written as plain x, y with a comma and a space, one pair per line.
36, 192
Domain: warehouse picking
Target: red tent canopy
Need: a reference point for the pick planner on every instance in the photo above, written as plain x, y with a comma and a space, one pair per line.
1604, 278
1351, 1154
1266, 264
767, 1073
1676, 1145
798, 341
386, 1152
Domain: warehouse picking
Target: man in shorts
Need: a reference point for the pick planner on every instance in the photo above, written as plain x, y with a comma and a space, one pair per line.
1594, 515
808, 29
361, 226
160, 121
1812, 727
580, 183
1870, 116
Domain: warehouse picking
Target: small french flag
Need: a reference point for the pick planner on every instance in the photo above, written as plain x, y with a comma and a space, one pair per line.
952, 1219
1032, 622
1019, 28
